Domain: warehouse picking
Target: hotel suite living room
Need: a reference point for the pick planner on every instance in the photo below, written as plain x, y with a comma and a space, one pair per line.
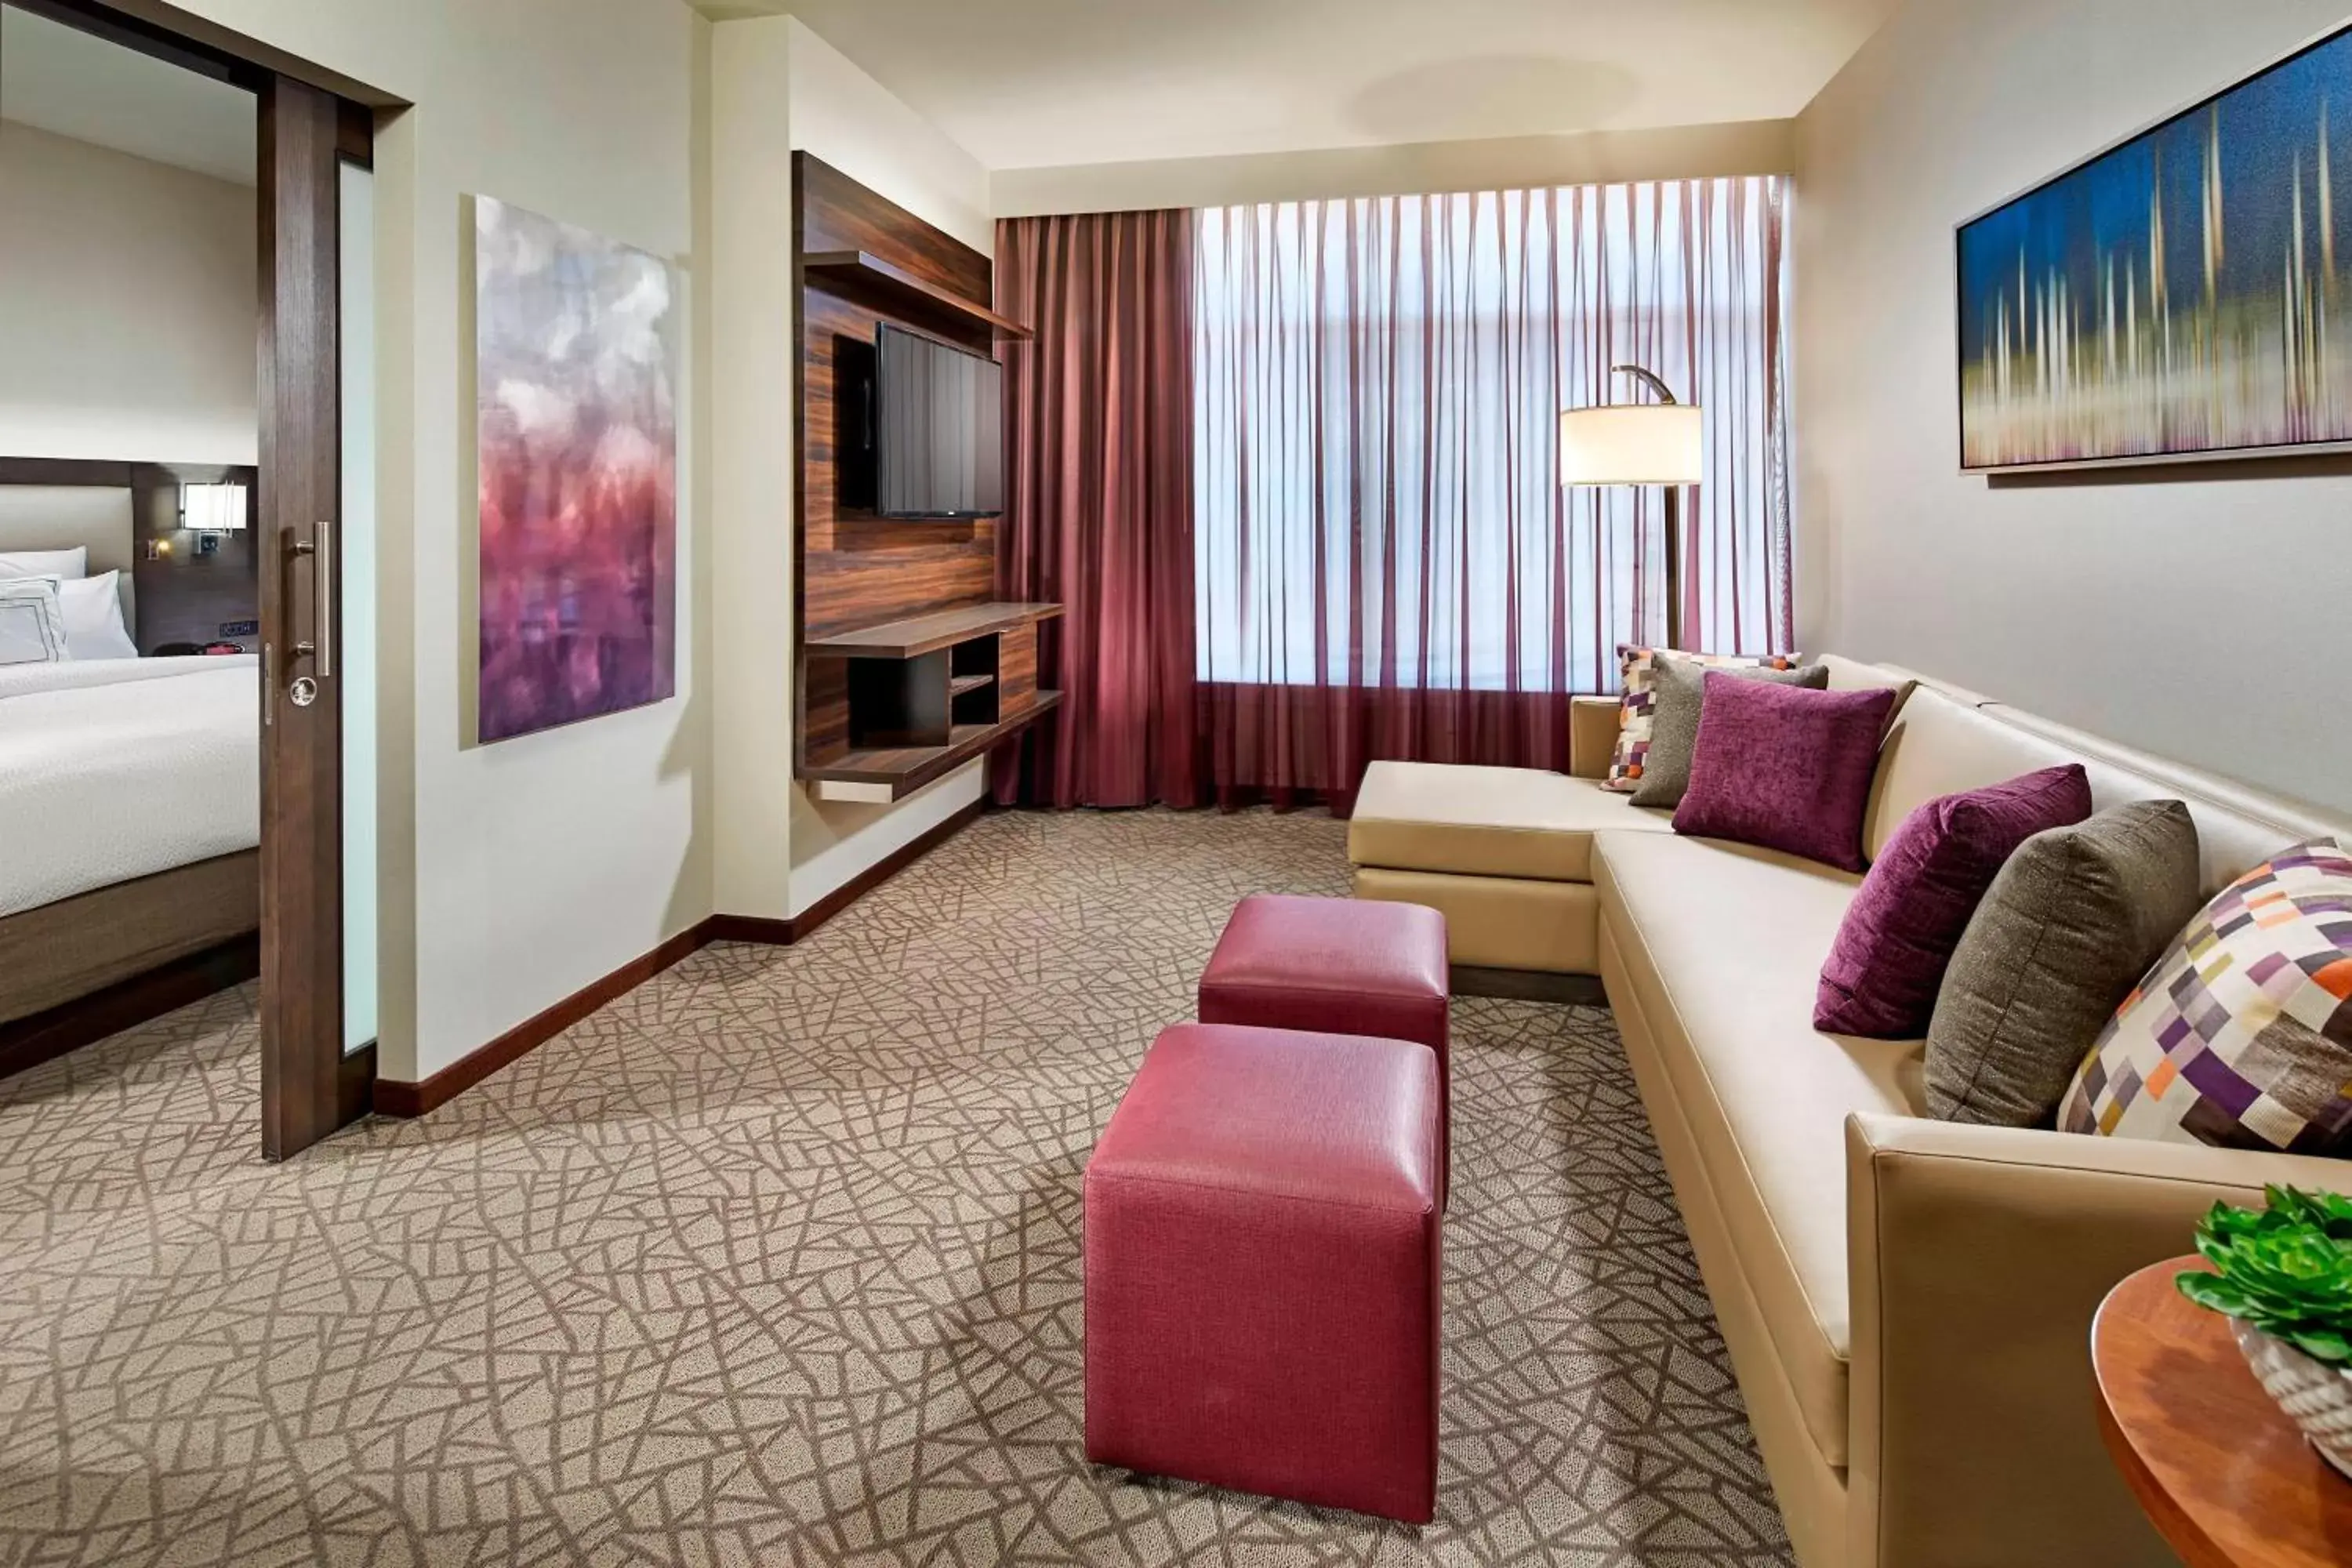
1140, 782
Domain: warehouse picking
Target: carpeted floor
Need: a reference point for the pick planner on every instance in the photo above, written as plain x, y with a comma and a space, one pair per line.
775, 1261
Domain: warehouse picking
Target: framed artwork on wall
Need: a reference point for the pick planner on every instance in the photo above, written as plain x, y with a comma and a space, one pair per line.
2185, 294
575, 403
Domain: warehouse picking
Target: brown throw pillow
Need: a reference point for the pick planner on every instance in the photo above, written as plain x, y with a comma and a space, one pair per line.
1677, 691
2073, 921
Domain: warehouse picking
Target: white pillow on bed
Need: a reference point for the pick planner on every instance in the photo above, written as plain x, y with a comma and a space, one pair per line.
63, 565
32, 623
93, 617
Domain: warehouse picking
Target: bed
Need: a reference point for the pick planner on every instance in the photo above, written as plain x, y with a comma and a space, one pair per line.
130, 793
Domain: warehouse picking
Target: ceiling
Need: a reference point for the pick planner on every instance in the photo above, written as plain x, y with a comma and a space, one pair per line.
1036, 83
67, 82
1039, 83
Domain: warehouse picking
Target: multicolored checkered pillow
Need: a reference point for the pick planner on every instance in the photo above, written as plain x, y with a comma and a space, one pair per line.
1640, 665
2241, 1035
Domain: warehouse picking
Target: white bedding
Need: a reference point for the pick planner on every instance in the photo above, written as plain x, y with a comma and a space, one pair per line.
113, 768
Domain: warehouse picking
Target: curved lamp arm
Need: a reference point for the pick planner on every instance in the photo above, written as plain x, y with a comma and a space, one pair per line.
1666, 393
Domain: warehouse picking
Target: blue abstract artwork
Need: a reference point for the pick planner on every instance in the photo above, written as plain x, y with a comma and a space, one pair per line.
2183, 294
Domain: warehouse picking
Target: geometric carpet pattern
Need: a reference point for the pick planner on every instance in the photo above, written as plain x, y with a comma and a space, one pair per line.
775, 1261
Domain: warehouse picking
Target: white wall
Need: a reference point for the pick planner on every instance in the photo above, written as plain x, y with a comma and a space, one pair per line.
128, 308
519, 872
855, 123
846, 118
778, 88
1677, 152
2203, 617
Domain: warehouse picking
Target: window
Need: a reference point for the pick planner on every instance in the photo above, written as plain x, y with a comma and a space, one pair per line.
1377, 388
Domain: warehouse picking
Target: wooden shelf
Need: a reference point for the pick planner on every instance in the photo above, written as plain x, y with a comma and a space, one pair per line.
862, 275
918, 635
905, 768
958, 685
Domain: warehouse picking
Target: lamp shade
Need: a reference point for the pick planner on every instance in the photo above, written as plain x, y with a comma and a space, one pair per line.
1630, 444
212, 508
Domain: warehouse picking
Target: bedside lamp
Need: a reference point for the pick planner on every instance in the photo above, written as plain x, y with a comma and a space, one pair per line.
1640, 444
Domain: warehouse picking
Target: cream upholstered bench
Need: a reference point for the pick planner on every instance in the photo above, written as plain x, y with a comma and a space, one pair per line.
1506, 854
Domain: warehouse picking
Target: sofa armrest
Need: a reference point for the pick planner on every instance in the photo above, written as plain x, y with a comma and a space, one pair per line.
1978, 1255
1592, 736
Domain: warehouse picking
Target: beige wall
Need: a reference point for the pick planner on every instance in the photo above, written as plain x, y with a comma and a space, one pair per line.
751, 325
516, 873
129, 306
776, 88
1677, 152
2203, 617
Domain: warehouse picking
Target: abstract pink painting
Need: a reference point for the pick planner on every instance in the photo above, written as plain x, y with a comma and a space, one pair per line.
578, 473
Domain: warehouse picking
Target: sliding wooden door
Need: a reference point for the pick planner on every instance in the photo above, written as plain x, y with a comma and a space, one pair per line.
317, 1064
303, 1066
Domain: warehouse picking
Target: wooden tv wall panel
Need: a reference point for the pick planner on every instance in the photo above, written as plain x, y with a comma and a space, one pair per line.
863, 261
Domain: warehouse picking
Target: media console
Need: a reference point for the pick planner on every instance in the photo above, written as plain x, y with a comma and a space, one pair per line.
908, 665
928, 694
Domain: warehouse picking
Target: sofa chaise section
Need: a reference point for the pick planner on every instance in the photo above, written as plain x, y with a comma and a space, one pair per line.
1507, 853
1504, 853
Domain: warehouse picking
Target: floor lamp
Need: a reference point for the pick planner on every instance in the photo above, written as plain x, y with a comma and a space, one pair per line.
1640, 444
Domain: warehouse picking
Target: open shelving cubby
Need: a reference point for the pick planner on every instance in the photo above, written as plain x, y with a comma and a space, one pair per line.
925, 694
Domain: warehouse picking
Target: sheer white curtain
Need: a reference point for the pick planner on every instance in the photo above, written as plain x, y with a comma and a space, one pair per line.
1377, 386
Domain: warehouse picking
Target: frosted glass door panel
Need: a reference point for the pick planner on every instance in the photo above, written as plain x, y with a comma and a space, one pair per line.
358, 580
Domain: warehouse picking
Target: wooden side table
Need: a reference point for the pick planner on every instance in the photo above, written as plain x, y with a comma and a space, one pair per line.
2220, 1470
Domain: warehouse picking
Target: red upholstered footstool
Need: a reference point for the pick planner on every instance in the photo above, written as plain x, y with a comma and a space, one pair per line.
1261, 1269
1343, 966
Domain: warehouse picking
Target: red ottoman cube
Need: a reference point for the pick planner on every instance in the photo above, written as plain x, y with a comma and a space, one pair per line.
1341, 966
1261, 1269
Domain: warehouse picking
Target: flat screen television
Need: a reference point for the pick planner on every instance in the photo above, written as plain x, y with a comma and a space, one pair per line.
939, 428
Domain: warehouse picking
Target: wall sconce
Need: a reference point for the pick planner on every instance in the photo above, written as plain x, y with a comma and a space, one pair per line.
212, 512
212, 508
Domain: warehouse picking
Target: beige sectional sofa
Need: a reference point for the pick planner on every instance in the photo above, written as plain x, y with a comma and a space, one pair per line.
1906, 1302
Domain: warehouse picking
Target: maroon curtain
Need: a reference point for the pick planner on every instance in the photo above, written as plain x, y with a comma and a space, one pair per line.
1098, 513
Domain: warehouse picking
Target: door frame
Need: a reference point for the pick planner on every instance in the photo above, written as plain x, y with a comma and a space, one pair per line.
309, 121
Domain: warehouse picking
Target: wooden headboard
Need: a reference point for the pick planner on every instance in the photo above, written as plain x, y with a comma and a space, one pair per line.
114, 509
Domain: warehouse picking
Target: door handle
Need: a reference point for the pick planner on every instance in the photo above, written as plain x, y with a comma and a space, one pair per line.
322, 594
320, 548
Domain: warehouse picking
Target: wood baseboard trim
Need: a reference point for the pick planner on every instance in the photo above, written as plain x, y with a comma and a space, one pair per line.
395, 1097
805, 924
755, 929
43, 1036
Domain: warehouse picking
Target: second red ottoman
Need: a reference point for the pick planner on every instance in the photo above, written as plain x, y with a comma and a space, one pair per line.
1340, 966
1263, 1270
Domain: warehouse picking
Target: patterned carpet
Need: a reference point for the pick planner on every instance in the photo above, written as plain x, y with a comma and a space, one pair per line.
775, 1261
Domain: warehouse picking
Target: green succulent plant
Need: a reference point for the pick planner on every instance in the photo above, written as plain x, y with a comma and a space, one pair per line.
2287, 1269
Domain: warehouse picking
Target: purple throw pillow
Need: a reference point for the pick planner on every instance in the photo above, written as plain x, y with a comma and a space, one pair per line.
1903, 926
1784, 768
